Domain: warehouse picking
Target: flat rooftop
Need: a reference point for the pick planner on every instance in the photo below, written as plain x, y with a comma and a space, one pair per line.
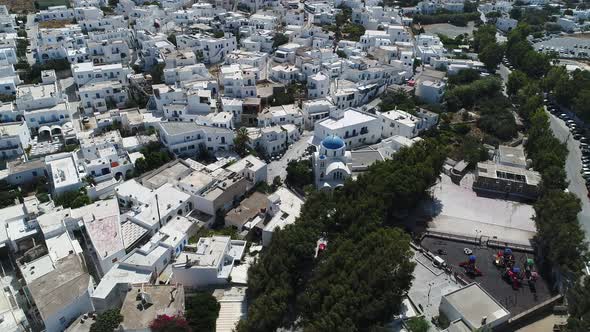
106, 235
64, 172
515, 301
351, 117
510, 173
11, 128
164, 299
511, 155
120, 274
474, 303
165, 174
439, 283
36, 91
248, 209
60, 287
289, 206
249, 162
210, 252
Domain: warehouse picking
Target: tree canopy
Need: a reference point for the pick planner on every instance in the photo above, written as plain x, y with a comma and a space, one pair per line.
107, 321
201, 311
351, 285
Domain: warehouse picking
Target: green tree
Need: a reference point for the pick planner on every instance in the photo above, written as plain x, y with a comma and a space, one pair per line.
516, 13
582, 104
418, 324
279, 39
202, 310
299, 173
374, 275
241, 141
72, 199
157, 73
491, 56
172, 39
579, 307
516, 80
289, 281
559, 235
483, 36
107, 321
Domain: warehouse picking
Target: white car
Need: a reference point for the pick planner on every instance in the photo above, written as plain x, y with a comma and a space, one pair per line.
467, 251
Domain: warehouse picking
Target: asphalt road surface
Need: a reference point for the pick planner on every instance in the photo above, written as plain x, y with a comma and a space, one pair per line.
295, 151
572, 167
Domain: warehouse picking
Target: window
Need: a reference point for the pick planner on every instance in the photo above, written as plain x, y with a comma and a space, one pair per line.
114, 260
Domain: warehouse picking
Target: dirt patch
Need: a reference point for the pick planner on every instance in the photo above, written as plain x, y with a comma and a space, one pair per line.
449, 29
54, 24
19, 6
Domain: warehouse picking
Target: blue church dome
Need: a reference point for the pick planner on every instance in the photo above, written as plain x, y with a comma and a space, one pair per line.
333, 142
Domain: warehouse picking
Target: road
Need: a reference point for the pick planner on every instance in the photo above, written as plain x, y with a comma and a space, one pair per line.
572, 167
295, 151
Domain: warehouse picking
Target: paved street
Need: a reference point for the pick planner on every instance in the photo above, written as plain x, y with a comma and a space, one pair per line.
572, 167
279, 167
31, 28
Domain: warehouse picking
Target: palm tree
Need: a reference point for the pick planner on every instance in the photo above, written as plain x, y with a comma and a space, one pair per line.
241, 141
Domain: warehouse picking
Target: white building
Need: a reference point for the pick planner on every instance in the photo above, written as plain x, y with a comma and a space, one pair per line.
400, 123
239, 81
315, 110
15, 138
430, 91
209, 263
318, 86
61, 292
285, 74
213, 50
63, 173
103, 157
186, 138
273, 140
102, 96
8, 56
102, 223
284, 209
356, 127
331, 163
87, 72
56, 13
251, 168
280, 115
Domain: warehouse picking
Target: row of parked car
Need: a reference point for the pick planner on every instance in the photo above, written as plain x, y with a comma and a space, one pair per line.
579, 134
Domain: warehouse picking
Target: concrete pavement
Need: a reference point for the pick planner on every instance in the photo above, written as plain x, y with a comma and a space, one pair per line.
32, 28
577, 185
295, 151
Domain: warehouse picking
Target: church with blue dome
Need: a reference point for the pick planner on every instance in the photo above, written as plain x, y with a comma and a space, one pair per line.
332, 164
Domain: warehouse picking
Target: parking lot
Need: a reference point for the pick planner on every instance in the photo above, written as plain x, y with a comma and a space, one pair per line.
566, 47
516, 301
574, 162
